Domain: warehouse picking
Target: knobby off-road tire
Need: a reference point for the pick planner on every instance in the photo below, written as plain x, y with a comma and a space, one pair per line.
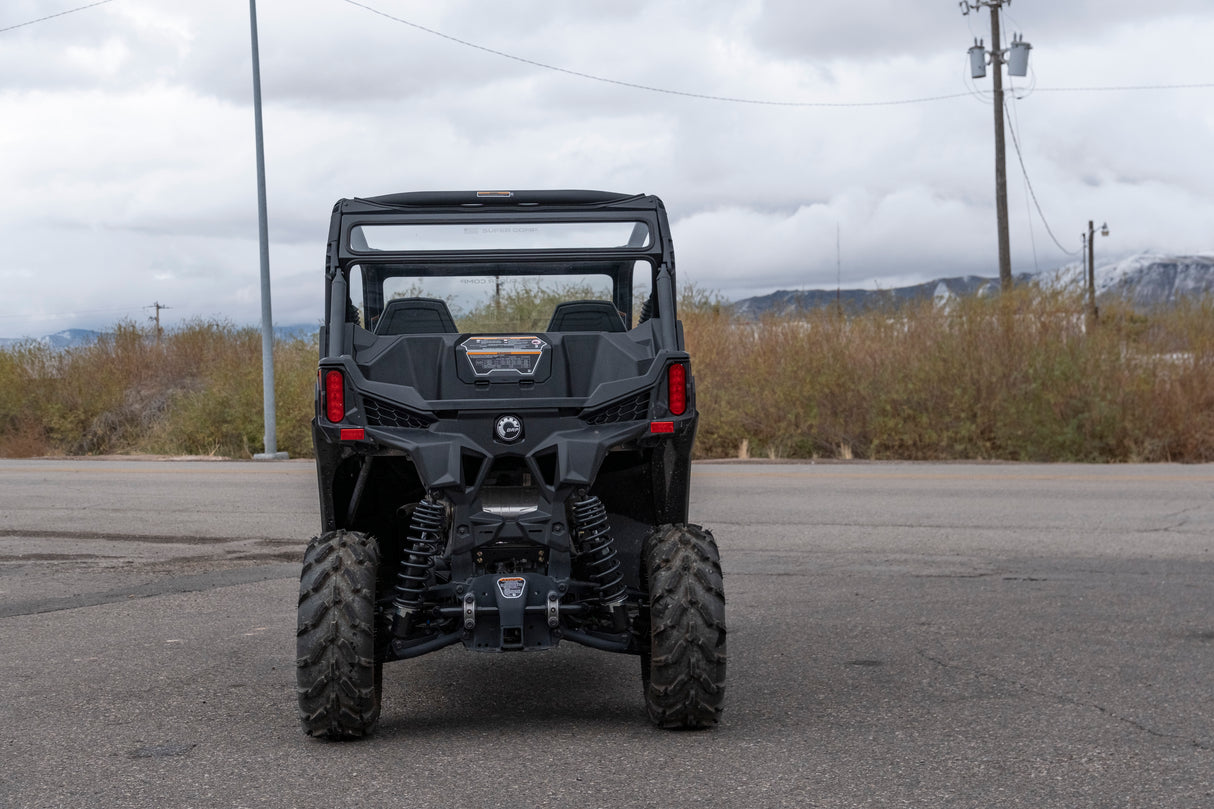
339, 681
684, 670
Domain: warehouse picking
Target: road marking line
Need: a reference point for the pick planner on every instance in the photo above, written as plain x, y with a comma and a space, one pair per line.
824, 473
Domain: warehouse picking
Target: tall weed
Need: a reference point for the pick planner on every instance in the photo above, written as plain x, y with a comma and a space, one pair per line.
1024, 376
196, 390
1021, 377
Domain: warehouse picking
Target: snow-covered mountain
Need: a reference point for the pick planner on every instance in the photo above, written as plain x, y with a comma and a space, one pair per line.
790, 301
1145, 280
68, 338
75, 338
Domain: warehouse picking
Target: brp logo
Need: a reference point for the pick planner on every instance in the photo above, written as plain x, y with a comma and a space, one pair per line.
508, 429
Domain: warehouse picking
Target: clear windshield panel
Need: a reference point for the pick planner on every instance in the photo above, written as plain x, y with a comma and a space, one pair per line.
503, 236
472, 298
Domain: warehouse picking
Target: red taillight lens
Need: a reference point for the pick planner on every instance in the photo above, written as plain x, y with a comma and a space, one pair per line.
335, 396
676, 383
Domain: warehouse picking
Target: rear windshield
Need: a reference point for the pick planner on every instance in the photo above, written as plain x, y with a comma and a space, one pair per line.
500, 236
515, 298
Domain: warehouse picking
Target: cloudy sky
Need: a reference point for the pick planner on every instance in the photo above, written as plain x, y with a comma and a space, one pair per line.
128, 174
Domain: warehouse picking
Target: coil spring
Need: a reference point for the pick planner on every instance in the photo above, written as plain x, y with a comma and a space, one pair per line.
597, 549
422, 543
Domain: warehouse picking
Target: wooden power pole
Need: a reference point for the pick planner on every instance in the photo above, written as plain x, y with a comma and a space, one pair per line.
158, 306
979, 70
1005, 249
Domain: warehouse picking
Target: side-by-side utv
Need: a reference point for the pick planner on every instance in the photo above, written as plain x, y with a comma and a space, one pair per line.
504, 420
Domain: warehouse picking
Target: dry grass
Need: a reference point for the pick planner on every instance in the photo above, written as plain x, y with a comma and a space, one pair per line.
1022, 377
197, 391
1019, 378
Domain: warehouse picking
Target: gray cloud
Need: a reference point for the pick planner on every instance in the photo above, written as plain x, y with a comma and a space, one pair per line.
882, 29
130, 167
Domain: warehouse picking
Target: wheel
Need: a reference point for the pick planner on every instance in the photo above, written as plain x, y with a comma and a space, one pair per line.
683, 671
340, 681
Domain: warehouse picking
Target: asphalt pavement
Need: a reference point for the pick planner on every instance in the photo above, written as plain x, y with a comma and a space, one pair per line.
925, 635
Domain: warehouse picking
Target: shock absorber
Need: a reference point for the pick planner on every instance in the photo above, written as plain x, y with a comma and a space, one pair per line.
594, 545
422, 543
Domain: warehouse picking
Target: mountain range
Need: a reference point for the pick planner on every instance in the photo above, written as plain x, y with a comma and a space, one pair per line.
1146, 280
74, 338
68, 338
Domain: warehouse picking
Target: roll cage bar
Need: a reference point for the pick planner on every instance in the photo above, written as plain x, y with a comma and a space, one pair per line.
496, 207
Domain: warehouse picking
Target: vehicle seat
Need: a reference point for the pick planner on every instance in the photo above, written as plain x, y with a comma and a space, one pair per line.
416, 316
586, 316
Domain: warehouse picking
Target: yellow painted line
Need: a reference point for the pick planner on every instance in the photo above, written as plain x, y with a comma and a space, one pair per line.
822, 471
84, 470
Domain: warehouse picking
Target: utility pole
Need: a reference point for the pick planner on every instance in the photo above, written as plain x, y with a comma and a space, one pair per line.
158, 306
1005, 246
1089, 242
978, 70
271, 452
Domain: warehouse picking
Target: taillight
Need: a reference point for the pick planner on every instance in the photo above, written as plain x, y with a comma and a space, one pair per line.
676, 384
335, 396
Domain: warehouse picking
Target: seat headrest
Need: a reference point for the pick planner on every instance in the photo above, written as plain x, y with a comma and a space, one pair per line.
416, 316
586, 316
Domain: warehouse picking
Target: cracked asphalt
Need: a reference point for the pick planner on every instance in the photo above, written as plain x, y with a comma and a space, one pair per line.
924, 635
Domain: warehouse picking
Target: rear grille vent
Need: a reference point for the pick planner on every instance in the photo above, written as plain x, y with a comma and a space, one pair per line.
634, 408
385, 414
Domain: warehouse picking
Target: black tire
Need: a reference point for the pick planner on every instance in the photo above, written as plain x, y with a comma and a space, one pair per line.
339, 680
683, 671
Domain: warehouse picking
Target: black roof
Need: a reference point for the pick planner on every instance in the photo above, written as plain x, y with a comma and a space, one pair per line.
502, 198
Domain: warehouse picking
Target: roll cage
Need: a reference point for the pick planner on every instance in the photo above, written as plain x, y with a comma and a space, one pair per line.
348, 248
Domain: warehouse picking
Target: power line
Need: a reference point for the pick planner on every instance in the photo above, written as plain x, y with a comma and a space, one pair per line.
647, 87
1032, 193
1028, 209
53, 16
1028, 91
682, 93
1201, 85
737, 100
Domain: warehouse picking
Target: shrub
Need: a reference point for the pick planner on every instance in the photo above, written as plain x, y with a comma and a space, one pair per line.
1023, 376
1019, 377
196, 390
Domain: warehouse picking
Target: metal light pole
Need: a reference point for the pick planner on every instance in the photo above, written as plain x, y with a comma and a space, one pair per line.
978, 70
271, 452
